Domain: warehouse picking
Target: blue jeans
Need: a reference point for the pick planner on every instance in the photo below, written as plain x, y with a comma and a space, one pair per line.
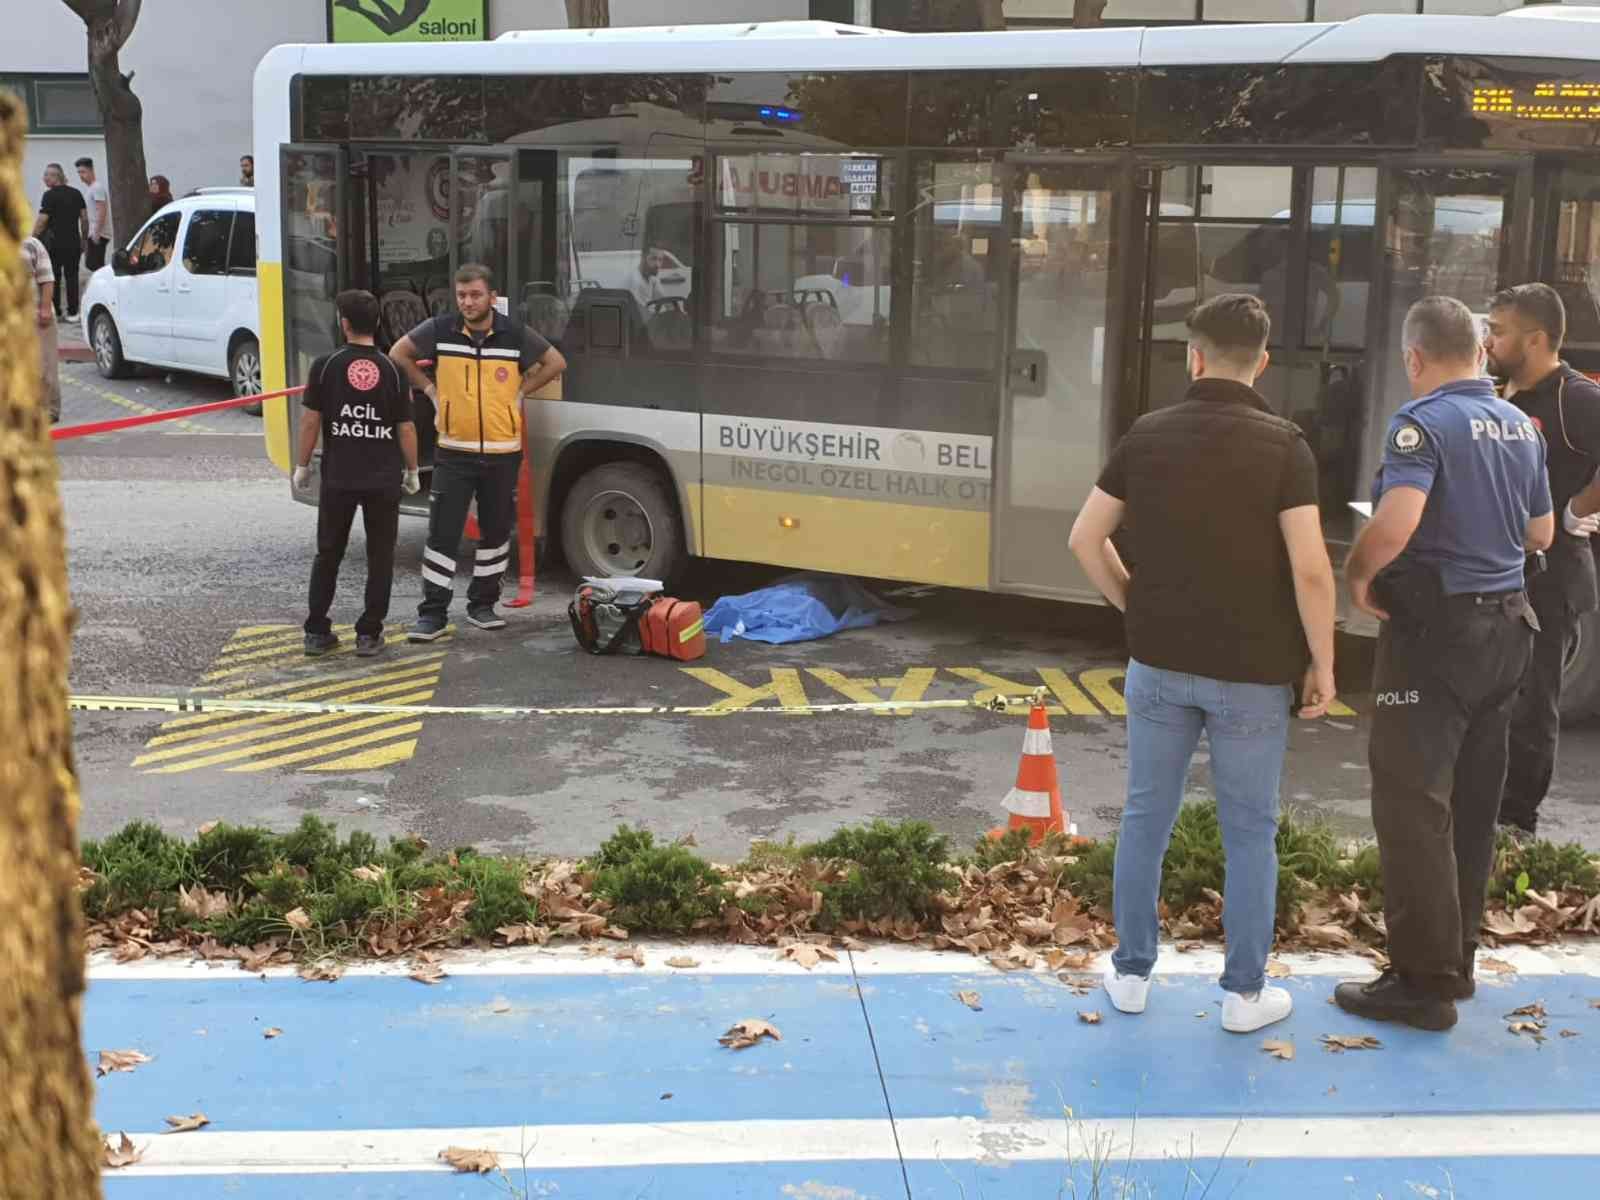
1247, 726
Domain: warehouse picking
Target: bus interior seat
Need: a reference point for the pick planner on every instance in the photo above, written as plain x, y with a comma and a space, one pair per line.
669, 325
605, 319
400, 313
441, 301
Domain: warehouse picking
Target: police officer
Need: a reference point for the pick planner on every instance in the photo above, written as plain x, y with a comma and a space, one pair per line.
1461, 498
1526, 328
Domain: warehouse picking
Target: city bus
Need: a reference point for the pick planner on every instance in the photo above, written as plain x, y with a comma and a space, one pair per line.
880, 303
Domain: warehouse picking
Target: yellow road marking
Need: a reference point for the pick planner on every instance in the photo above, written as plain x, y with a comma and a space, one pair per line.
133, 406
228, 723
785, 688
306, 689
212, 760
396, 638
370, 760
269, 731
1098, 684
284, 760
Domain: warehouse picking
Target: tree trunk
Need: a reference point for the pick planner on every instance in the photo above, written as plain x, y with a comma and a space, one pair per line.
110, 23
588, 14
1086, 14
49, 1146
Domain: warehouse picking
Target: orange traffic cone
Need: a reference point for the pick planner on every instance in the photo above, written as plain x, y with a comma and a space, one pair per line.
1035, 803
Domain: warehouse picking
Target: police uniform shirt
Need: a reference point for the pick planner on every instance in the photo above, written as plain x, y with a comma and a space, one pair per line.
1480, 462
362, 400
1565, 407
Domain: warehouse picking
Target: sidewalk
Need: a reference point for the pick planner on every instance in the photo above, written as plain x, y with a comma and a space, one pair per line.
610, 1080
72, 342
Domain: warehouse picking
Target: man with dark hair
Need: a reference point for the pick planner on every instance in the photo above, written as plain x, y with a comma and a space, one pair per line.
98, 234
1526, 327
1230, 604
62, 224
247, 170
487, 366
359, 404
1461, 499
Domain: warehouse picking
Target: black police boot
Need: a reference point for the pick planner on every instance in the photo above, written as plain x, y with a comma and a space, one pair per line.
1465, 985
1391, 997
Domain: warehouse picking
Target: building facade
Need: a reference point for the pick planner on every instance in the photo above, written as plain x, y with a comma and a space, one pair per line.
193, 63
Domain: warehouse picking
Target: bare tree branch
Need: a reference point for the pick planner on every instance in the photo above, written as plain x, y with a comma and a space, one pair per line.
127, 16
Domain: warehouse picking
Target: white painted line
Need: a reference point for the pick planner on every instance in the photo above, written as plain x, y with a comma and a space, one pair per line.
712, 1143
568, 959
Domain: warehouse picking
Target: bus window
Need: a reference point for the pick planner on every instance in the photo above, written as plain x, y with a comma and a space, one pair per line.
958, 232
1577, 263
1339, 262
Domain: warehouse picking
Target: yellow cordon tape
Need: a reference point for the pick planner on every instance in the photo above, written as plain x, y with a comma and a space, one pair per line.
210, 704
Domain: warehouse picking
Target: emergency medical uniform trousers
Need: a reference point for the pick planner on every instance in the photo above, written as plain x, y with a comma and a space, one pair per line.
1536, 718
1443, 704
458, 480
336, 512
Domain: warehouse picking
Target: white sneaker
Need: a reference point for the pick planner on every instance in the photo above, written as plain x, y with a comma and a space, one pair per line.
1128, 992
1246, 1014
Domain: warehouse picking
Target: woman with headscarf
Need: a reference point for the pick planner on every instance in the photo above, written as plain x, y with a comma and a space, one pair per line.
160, 192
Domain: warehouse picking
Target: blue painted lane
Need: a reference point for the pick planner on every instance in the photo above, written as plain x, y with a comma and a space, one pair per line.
371, 1052
875, 1180
1027, 1054
1264, 1179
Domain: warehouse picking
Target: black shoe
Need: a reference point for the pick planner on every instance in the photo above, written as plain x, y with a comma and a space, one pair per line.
369, 645
1520, 832
1465, 985
427, 629
318, 644
485, 617
1390, 997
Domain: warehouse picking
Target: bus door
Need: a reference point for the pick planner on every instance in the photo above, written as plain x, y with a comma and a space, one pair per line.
1058, 399
1444, 229
1301, 238
1569, 255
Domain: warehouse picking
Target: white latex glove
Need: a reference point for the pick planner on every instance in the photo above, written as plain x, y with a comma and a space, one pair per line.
302, 478
411, 482
1579, 526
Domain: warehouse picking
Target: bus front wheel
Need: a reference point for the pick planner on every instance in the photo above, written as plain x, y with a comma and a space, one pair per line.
621, 519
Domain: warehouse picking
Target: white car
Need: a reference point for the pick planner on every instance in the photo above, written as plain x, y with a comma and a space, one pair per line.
181, 294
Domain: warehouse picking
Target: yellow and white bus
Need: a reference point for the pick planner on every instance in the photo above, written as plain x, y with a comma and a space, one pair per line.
880, 303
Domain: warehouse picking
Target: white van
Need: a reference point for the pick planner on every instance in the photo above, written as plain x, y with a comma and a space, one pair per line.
189, 310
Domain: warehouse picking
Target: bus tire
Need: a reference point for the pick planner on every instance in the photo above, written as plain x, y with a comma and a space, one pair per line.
1580, 679
621, 519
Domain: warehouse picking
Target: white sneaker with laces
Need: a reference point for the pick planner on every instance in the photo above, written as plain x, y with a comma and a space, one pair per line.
1128, 992
1246, 1014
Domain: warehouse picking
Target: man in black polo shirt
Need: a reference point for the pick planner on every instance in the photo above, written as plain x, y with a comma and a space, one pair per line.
487, 366
1230, 597
1526, 327
357, 402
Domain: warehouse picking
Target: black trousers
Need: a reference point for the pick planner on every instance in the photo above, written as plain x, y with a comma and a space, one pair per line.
64, 260
94, 253
458, 480
1438, 755
1536, 719
336, 512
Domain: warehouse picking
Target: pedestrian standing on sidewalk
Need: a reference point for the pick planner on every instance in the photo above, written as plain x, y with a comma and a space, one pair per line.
62, 225
1526, 327
247, 170
98, 235
1230, 598
1461, 499
357, 401
487, 366
36, 261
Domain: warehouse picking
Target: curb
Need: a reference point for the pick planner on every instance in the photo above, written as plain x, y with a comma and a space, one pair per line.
74, 354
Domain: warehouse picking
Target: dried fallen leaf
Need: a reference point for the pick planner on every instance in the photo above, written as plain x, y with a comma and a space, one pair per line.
1333, 937
971, 999
500, 1005
207, 828
1075, 960
198, 902
1278, 1049
324, 970
1339, 1043
121, 1153
1536, 1009
850, 943
747, 1033
188, 1124
807, 954
1278, 970
297, 918
1091, 1017
633, 954
272, 1032
478, 1162
120, 1060
1498, 966
1190, 947
1570, 1033
427, 971
1534, 1029
369, 874
682, 962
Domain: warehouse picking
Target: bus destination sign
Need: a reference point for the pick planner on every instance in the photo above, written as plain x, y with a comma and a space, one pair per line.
1540, 100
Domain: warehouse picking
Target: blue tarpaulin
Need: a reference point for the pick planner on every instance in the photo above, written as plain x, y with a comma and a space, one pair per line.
799, 608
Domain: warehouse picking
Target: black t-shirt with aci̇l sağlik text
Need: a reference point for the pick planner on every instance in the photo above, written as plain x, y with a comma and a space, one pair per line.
363, 402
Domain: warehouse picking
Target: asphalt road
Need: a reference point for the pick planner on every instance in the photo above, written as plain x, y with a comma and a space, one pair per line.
188, 563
